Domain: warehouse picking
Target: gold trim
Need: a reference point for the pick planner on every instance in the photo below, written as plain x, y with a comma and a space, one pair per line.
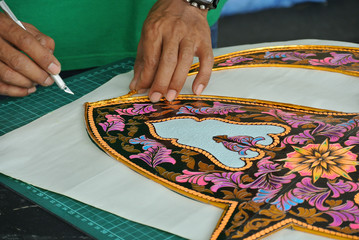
249, 101
282, 48
248, 161
227, 205
300, 226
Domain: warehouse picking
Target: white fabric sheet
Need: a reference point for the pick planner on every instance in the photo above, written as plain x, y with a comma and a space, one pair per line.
55, 153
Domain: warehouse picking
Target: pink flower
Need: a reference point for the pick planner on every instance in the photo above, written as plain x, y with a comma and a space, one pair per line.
322, 161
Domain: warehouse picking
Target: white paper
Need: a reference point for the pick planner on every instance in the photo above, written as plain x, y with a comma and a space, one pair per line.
55, 152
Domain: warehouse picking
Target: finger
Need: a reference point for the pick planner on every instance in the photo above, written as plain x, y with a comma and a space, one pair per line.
138, 67
20, 63
14, 91
185, 59
150, 58
44, 40
165, 70
26, 42
9, 76
206, 60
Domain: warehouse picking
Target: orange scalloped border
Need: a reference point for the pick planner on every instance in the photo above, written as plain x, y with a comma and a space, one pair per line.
300, 226
227, 206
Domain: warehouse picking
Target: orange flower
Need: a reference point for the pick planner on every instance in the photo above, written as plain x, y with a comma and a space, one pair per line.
322, 160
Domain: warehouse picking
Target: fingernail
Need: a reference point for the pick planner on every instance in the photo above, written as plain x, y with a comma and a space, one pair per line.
48, 81
199, 89
155, 97
171, 95
54, 68
31, 90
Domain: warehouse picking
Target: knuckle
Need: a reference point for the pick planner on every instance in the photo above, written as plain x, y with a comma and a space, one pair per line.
170, 57
24, 41
7, 74
151, 29
180, 26
150, 62
10, 28
46, 59
15, 62
186, 53
49, 42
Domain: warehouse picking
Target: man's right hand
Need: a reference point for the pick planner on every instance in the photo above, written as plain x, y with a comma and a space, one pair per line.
26, 58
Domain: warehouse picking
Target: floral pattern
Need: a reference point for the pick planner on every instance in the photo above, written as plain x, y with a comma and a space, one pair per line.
322, 160
337, 59
217, 108
288, 56
235, 60
240, 144
308, 178
340, 59
155, 156
353, 140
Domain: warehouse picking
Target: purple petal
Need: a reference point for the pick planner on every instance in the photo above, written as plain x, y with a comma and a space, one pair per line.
155, 156
192, 177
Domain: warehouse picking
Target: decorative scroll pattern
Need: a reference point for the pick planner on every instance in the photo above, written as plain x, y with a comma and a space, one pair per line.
307, 178
328, 58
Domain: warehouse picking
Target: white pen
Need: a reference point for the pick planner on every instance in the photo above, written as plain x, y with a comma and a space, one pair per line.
58, 80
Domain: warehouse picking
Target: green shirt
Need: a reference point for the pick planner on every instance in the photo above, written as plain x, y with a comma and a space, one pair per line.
90, 33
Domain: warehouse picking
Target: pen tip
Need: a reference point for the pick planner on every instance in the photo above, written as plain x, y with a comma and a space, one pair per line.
66, 89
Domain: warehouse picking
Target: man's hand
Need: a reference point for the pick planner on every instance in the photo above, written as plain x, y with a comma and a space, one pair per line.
173, 33
26, 58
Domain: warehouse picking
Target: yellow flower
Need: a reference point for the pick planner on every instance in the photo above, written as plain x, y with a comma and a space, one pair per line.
322, 160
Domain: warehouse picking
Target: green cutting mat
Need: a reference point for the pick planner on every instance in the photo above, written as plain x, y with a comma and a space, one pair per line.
95, 222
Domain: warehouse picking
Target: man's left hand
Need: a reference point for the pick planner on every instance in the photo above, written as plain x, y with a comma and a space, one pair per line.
173, 33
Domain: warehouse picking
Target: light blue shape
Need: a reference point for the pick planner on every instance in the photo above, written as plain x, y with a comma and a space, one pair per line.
190, 132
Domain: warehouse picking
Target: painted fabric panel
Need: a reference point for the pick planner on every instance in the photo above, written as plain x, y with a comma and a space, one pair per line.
328, 58
268, 165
